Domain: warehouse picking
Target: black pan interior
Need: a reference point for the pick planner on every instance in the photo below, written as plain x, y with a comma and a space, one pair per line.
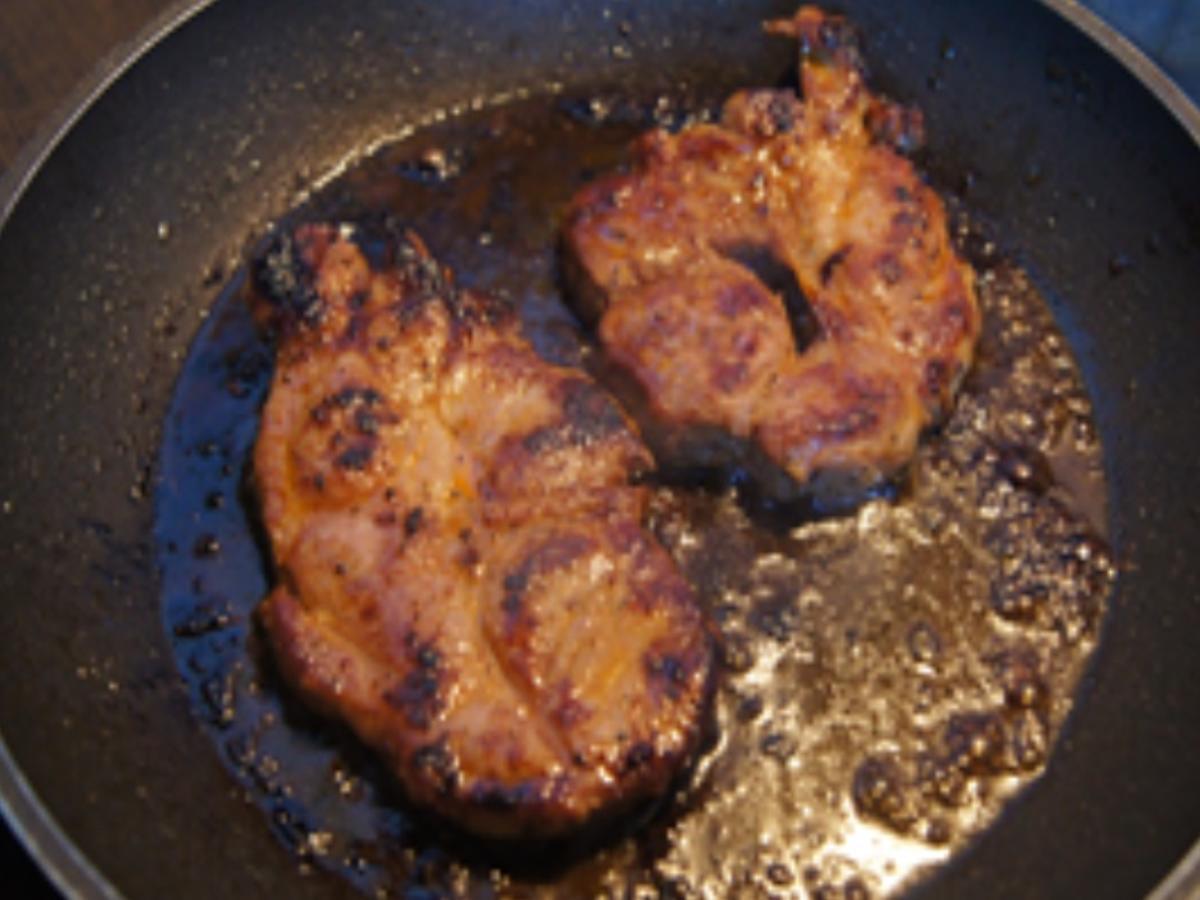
119, 245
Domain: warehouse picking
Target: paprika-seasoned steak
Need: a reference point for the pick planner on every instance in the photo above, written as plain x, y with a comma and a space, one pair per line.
669, 258
463, 577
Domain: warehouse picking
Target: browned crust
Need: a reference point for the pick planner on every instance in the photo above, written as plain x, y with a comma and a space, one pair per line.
465, 581
656, 257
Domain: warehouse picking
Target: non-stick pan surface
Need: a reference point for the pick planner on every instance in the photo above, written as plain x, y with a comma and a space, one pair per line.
121, 240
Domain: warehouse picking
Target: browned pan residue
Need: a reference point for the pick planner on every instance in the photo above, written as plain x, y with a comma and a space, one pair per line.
889, 677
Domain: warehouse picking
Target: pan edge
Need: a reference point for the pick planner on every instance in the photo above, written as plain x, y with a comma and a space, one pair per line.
35, 828
1183, 881
1135, 60
68, 869
30, 158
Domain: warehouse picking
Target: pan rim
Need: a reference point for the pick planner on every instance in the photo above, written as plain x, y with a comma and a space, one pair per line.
60, 859
1183, 881
1129, 55
64, 864
32, 156
70, 871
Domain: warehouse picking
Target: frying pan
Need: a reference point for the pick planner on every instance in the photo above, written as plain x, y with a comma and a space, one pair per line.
110, 253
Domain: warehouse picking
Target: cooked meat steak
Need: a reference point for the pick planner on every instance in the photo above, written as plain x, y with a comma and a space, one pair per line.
463, 575
667, 257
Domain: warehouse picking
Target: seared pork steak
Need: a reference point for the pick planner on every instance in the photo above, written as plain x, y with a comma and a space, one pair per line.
463, 576
677, 261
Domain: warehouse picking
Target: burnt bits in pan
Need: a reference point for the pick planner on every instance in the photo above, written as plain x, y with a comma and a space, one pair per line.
888, 678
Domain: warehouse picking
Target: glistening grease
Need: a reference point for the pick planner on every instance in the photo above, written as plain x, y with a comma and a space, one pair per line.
889, 678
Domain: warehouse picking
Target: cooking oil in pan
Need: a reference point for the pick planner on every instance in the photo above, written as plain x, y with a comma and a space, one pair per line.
888, 678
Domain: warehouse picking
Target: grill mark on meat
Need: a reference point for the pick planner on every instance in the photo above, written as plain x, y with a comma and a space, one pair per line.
283, 276
499, 797
418, 697
356, 457
557, 553
832, 261
550, 732
935, 376
356, 412
437, 760
514, 592
637, 756
666, 672
366, 422
781, 114
590, 415
590, 412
